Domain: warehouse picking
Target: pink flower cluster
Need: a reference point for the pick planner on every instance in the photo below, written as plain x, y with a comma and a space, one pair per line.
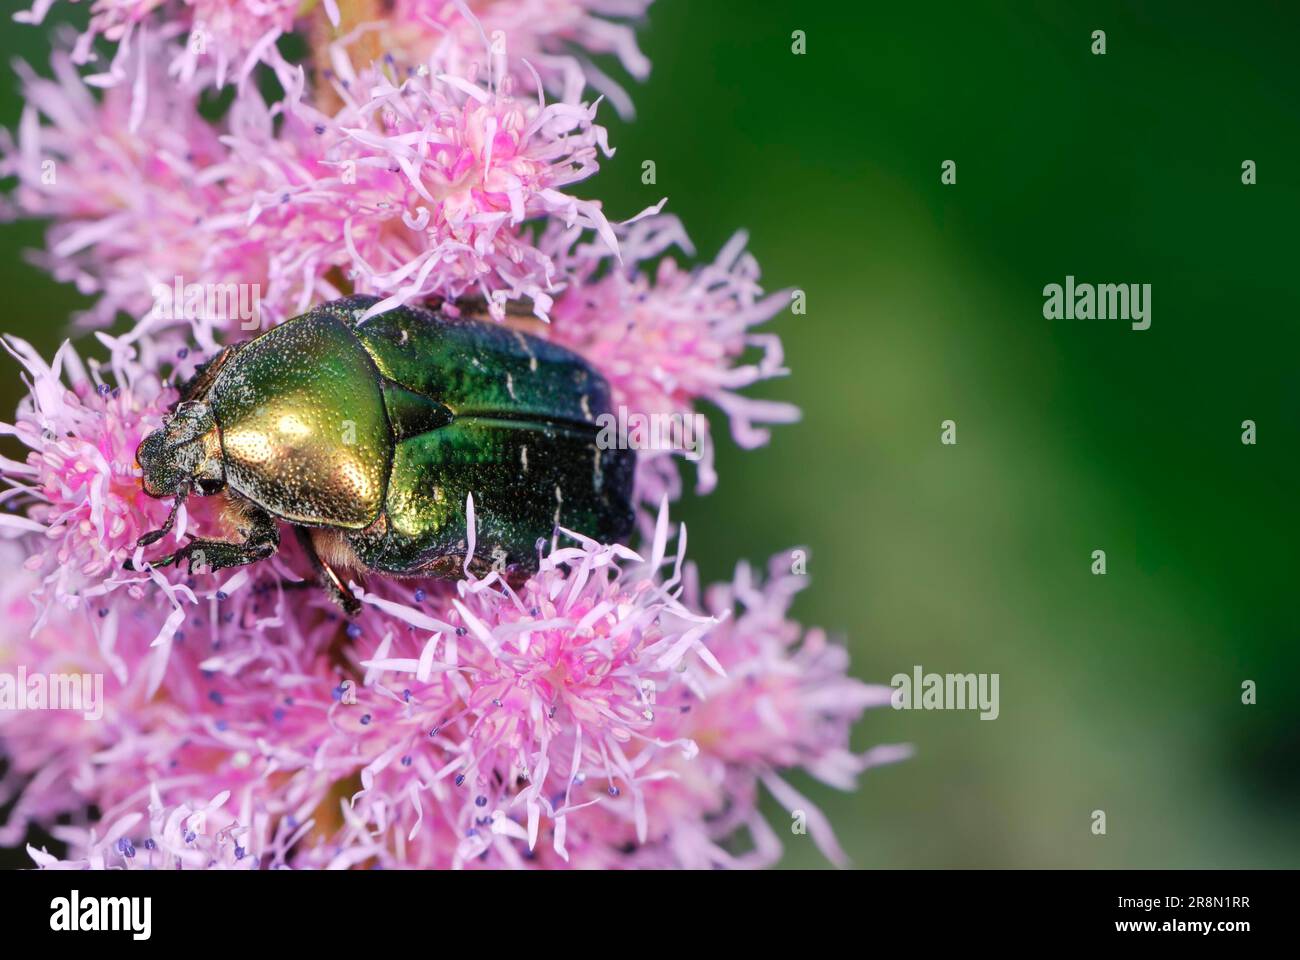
224, 40
608, 712
412, 184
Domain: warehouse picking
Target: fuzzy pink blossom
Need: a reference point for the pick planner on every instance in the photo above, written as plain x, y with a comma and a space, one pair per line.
669, 337
223, 40
556, 38
80, 480
202, 836
584, 719
417, 187
121, 178
603, 713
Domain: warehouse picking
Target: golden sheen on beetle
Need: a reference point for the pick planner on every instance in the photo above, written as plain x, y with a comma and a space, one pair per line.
368, 436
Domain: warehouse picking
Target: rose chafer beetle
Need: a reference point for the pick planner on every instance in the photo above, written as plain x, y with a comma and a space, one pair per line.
367, 437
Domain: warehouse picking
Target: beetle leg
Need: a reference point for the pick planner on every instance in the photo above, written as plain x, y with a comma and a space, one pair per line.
207, 556
153, 536
330, 580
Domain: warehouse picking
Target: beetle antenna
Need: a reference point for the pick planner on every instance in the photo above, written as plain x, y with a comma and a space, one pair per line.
153, 536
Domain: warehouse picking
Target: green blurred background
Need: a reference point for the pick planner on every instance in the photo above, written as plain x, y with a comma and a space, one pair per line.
1122, 692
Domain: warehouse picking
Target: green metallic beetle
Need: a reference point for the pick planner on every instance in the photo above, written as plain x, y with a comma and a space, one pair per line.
367, 436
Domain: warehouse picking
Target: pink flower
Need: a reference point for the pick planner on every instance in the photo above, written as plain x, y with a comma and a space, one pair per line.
416, 187
412, 189
554, 37
225, 39
199, 836
603, 713
786, 700
220, 36
122, 179
668, 340
582, 719
79, 483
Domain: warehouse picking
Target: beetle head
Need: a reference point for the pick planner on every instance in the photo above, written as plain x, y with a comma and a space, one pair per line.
183, 454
